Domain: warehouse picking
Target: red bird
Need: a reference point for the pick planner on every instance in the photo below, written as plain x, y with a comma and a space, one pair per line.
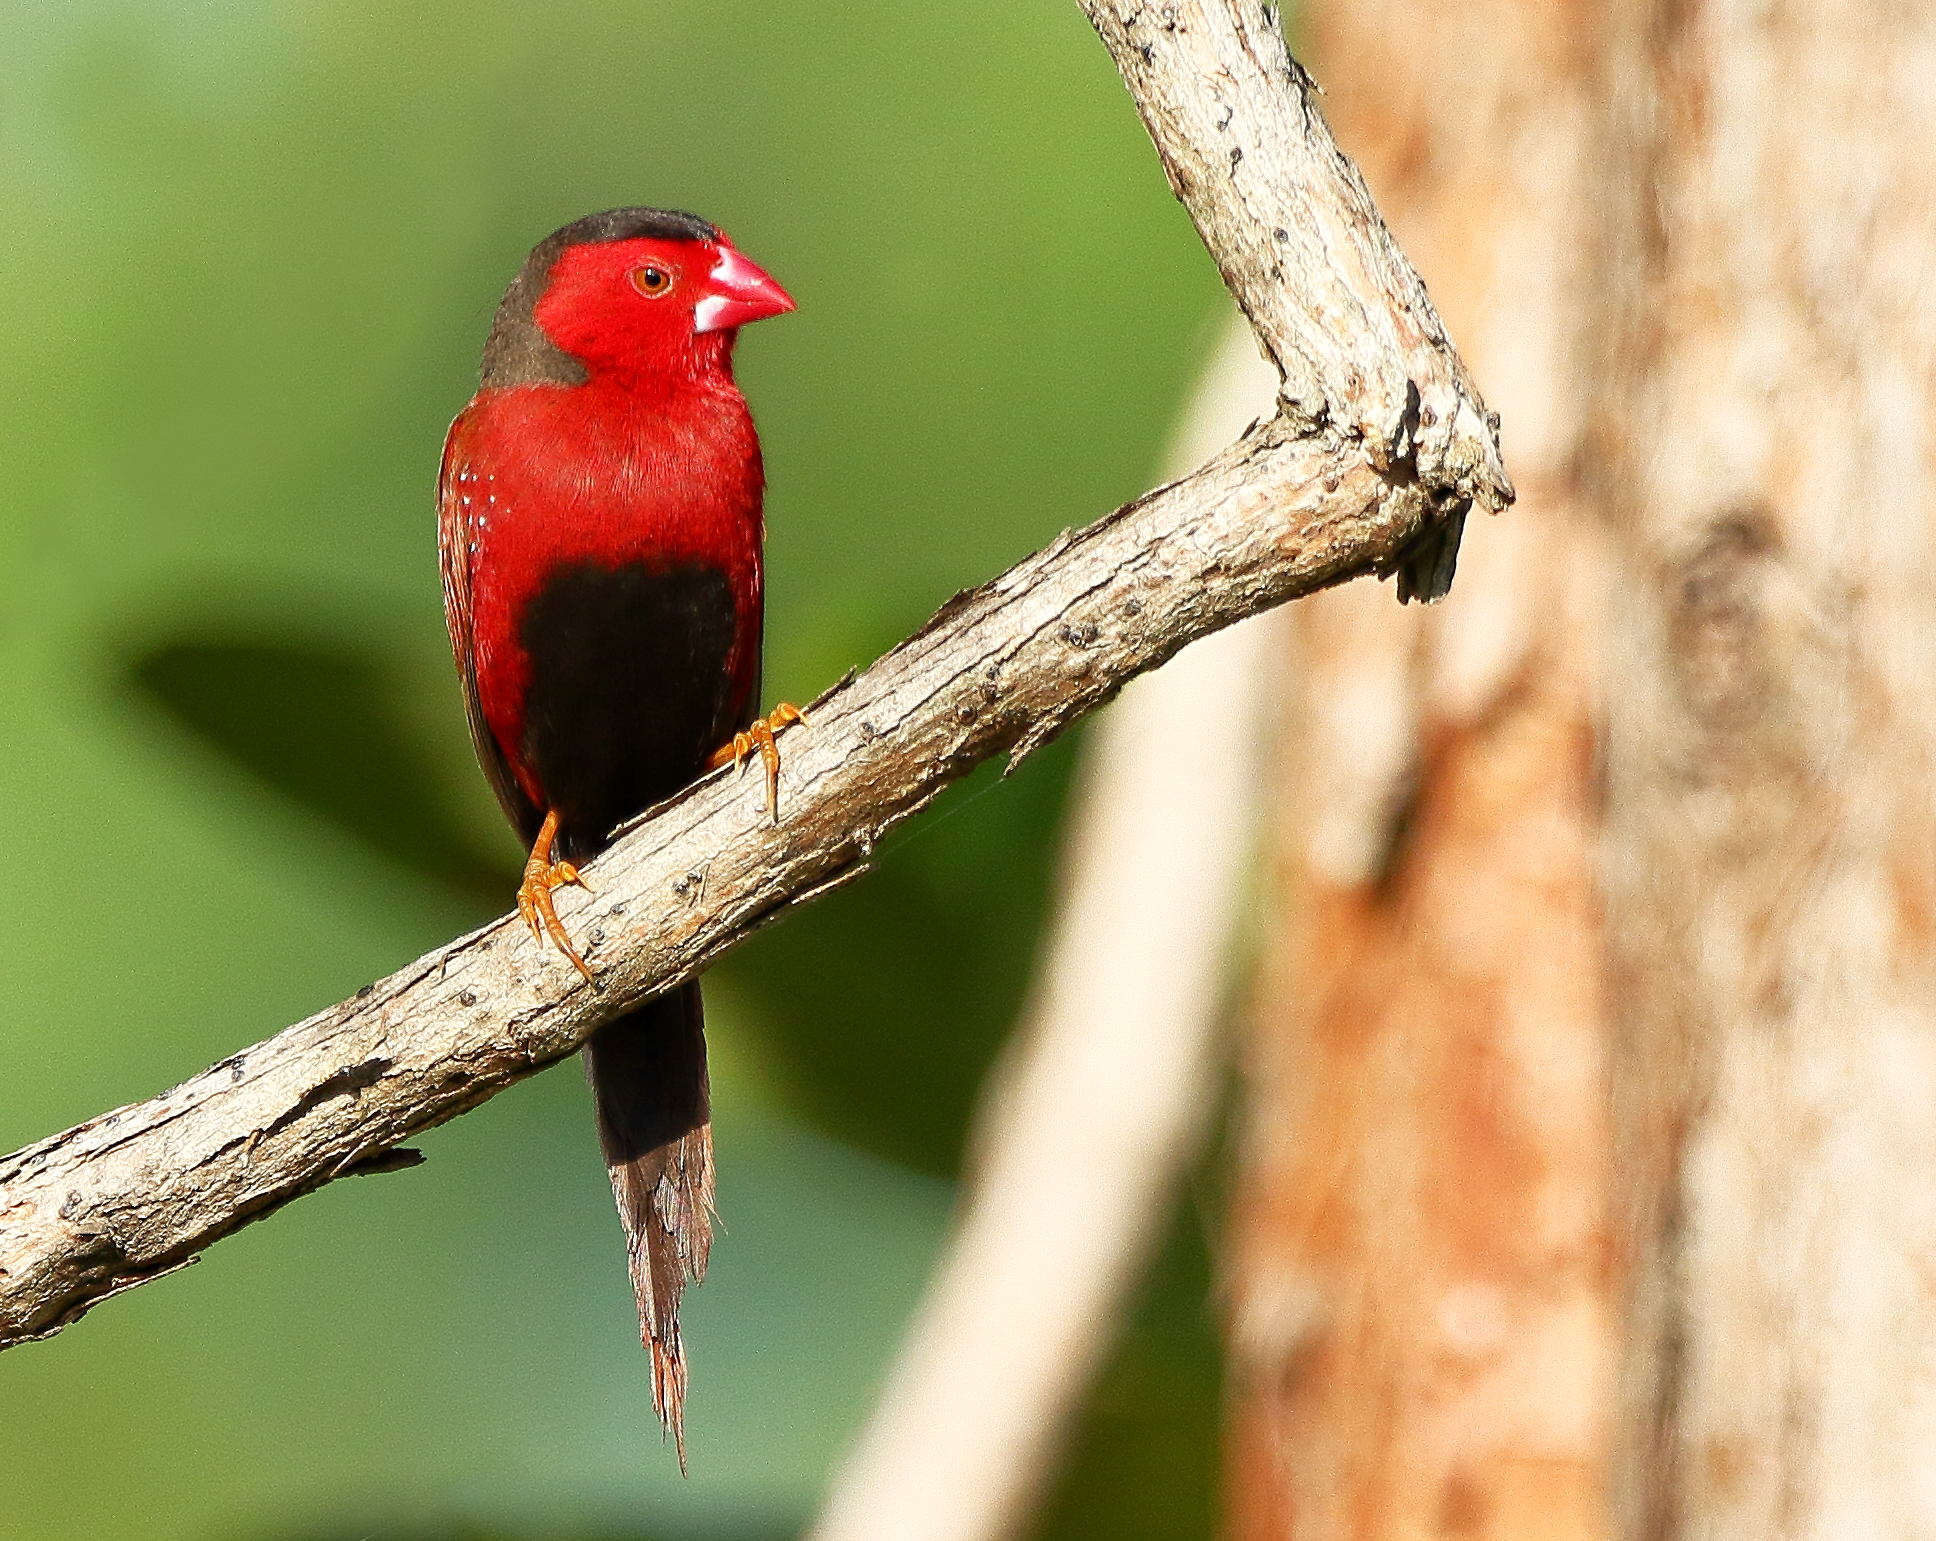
599, 525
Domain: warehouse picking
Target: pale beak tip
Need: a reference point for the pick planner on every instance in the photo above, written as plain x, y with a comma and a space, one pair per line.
739, 291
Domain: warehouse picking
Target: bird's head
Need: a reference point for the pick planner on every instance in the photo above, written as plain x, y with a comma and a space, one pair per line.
633, 291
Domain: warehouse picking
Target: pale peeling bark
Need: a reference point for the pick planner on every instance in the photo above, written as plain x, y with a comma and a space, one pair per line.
1348, 482
1421, 1327
1771, 833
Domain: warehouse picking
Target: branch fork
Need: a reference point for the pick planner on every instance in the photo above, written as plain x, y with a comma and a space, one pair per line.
1380, 447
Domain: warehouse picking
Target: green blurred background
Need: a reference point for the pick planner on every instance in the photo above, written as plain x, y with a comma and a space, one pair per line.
247, 259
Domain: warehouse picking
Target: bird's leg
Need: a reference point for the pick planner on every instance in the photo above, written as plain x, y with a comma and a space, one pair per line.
759, 737
541, 876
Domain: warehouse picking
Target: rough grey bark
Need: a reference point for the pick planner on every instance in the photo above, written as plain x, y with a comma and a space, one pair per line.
1383, 446
1770, 746
1333, 301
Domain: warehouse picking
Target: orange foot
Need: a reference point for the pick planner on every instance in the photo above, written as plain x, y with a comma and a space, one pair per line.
760, 737
541, 876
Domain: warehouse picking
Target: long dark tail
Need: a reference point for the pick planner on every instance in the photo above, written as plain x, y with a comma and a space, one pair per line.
648, 1075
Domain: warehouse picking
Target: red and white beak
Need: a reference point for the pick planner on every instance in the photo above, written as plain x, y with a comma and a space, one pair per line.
737, 292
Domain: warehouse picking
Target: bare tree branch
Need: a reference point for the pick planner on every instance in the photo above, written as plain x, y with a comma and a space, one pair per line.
1333, 301
1380, 448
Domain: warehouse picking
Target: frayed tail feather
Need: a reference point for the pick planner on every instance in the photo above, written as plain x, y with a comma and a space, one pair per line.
648, 1076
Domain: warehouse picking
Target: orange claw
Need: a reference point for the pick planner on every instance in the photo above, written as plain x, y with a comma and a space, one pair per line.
759, 736
541, 876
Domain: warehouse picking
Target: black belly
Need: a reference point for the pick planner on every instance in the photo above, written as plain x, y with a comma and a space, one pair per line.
628, 693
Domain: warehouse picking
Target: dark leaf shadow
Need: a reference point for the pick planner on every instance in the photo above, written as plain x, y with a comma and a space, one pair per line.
879, 1009
320, 723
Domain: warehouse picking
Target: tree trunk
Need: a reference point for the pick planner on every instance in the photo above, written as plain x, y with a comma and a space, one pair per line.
1771, 852
1705, 232
1421, 1314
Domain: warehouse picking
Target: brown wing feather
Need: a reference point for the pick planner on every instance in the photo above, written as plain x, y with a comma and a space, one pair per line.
453, 555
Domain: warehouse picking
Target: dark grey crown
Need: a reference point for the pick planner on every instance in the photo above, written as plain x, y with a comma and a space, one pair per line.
517, 352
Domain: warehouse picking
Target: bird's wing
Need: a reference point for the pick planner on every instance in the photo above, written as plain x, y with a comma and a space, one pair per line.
454, 557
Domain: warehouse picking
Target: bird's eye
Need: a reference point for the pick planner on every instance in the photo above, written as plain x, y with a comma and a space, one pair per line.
653, 280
